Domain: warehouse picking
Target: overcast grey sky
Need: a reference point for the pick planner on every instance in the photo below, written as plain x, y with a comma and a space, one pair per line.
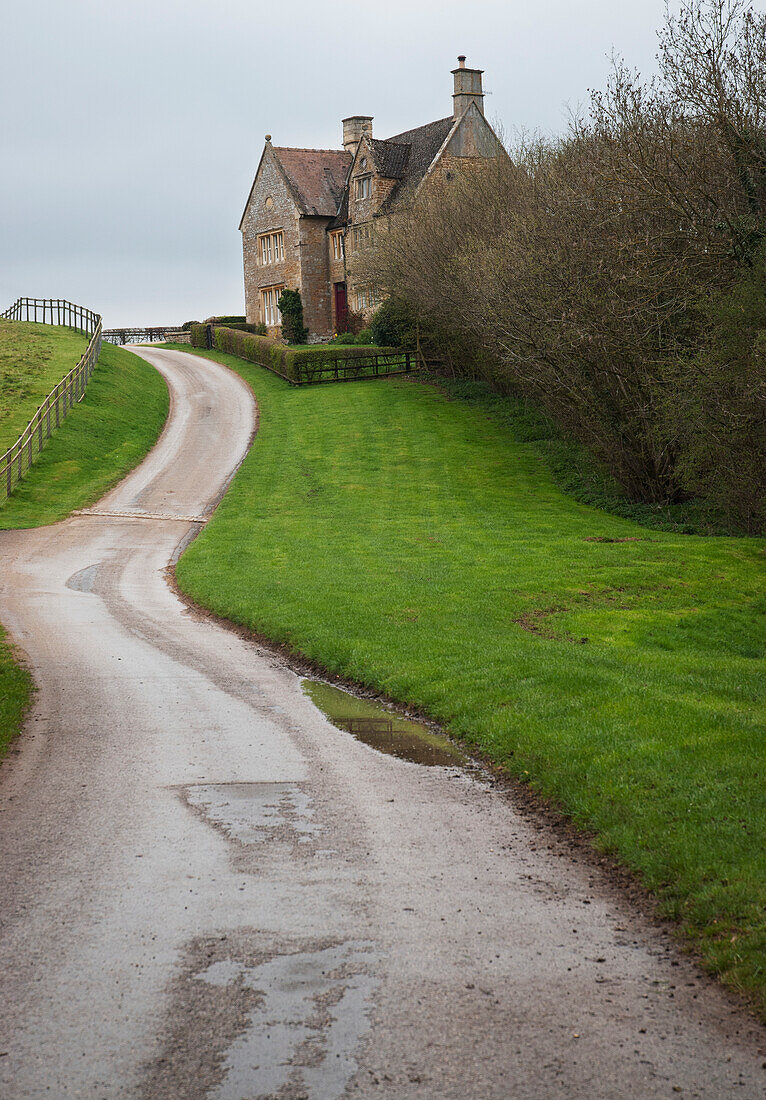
131, 132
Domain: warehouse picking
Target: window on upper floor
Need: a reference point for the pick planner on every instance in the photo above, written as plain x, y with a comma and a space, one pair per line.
362, 187
272, 248
360, 235
338, 248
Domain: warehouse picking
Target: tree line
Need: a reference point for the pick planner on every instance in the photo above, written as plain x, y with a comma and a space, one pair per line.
616, 276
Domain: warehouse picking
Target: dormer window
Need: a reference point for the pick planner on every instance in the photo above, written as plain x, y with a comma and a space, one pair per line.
362, 188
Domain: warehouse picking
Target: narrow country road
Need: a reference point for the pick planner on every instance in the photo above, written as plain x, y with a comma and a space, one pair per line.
209, 891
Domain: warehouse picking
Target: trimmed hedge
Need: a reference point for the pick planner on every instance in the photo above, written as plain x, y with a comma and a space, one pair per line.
257, 349
308, 364
197, 337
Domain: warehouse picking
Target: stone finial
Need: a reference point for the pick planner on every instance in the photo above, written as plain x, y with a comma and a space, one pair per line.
268, 137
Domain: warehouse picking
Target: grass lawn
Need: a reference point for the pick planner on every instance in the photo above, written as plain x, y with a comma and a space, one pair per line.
33, 359
102, 439
415, 544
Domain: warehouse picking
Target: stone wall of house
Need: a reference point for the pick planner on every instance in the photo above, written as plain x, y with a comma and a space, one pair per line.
336, 270
474, 137
271, 208
315, 278
362, 212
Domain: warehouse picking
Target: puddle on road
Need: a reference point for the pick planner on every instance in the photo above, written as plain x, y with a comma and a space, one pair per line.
84, 579
381, 729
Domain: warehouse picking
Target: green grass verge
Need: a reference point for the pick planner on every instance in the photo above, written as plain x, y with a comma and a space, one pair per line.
102, 439
15, 693
419, 546
33, 359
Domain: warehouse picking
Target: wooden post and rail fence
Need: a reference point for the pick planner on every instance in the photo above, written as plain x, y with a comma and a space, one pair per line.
51, 414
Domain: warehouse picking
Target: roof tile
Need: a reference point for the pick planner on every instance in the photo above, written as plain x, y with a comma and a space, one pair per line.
318, 176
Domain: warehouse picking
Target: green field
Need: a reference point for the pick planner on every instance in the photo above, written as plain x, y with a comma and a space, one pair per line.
103, 438
416, 545
33, 359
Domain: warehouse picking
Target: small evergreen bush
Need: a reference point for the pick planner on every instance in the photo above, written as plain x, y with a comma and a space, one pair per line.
291, 307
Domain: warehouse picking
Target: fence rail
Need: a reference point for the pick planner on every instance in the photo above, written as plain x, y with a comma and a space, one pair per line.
372, 365
51, 414
150, 335
53, 311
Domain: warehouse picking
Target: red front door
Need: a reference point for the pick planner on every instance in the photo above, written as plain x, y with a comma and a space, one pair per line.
341, 307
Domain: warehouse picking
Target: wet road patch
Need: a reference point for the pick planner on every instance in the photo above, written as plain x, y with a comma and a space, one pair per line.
284, 1020
84, 579
249, 813
383, 730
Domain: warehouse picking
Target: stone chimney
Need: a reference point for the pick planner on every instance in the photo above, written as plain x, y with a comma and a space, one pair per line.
467, 88
353, 130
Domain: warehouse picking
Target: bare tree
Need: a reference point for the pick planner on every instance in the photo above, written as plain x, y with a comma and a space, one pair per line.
581, 272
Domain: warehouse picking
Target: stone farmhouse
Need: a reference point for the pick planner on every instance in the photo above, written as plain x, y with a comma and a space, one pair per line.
310, 209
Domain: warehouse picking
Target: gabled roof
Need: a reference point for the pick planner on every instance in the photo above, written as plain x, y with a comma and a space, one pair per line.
424, 143
317, 177
405, 157
390, 157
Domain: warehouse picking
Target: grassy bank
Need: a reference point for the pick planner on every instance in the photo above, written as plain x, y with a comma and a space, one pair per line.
33, 359
416, 545
103, 438
578, 473
15, 692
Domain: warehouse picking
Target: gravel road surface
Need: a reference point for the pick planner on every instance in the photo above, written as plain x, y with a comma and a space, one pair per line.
209, 891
